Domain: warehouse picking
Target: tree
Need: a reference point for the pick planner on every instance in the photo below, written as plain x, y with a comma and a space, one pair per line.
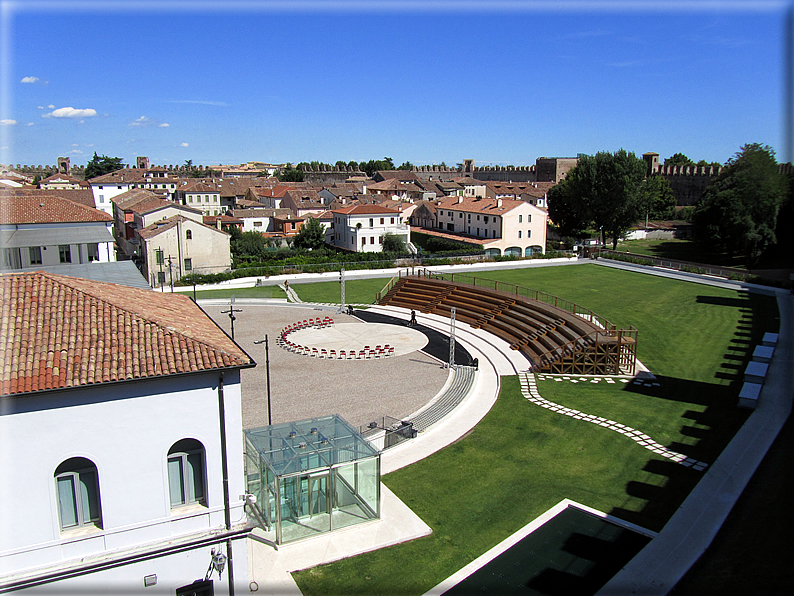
311, 235
678, 159
99, 166
659, 198
247, 245
604, 190
407, 165
290, 175
372, 166
393, 243
738, 211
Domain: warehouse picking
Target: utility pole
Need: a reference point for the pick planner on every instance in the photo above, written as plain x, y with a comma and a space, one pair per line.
267, 369
231, 312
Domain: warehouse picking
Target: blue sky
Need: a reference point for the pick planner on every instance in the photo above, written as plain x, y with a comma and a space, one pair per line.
500, 82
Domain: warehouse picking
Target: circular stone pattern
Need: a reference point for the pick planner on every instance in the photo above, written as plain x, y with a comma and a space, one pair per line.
355, 336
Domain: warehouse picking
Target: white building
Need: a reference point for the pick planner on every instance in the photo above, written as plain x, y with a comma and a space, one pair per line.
121, 434
513, 227
43, 230
361, 228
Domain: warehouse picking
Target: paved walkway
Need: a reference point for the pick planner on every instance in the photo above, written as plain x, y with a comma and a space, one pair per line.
529, 388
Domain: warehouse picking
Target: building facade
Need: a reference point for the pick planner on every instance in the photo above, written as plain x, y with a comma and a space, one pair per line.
361, 228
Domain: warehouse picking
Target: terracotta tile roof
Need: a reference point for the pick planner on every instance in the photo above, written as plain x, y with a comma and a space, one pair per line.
122, 176
58, 332
56, 178
45, 208
137, 199
475, 205
366, 210
199, 187
164, 225
82, 196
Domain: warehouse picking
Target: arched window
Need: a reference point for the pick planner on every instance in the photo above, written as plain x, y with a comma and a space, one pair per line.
77, 488
189, 234
186, 475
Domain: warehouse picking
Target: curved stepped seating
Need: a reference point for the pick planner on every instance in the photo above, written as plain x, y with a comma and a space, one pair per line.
551, 338
446, 402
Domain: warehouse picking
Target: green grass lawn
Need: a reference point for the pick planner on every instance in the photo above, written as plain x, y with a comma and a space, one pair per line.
522, 459
681, 250
357, 291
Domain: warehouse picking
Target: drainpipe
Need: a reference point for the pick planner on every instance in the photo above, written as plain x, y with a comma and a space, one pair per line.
227, 514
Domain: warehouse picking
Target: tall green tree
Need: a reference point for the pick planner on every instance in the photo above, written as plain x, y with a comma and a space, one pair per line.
605, 190
290, 175
678, 159
311, 235
738, 211
99, 166
659, 198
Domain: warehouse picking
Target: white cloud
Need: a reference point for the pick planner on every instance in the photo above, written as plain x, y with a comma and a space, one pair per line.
76, 152
70, 112
7, 122
29, 80
75, 145
184, 145
164, 125
142, 121
50, 107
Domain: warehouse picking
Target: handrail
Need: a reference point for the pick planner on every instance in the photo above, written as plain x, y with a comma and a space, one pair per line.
536, 295
389, 285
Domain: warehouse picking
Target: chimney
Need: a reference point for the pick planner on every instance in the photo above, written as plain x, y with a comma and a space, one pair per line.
460, 199
498, 202
218, 222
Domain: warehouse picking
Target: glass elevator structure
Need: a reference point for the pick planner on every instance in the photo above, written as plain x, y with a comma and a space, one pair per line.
310, 477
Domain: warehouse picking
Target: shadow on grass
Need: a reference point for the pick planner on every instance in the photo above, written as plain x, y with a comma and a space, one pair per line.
710, 428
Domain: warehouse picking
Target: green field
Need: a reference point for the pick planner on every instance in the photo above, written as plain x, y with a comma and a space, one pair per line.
522, 459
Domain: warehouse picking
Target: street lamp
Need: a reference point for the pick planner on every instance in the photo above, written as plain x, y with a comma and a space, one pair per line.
231, 312
267, 369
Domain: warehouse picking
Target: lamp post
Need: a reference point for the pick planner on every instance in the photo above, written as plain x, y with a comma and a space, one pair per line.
231, 312
267, 369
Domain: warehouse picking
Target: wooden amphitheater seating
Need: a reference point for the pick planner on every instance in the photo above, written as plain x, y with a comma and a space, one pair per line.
544, 333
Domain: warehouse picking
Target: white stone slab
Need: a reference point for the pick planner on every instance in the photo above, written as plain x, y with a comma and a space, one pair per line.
763, 354
770, 339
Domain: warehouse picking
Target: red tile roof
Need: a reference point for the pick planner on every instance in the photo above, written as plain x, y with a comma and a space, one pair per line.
365, 210
82, 196
45, 208
58, 332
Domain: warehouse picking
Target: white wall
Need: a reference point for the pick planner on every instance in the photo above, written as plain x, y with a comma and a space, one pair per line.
126, 430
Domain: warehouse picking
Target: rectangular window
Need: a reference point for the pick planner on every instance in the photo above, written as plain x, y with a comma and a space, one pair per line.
186, 478
460, 215
392, 220
161, 277
486, 219
158, 257
363, 241
519, 220
439, 212
371, 222
101, 198
478, 218
519, 233
529, 233
381, 221
189, 264
257, 224
469, 218
93, 251
78, 498
35, 255
372, 239
65, 253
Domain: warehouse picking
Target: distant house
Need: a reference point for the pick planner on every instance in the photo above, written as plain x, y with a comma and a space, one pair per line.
177, 246
121, 431
138, 208
303, 201
63, 182
108, 186
425, 215
361, 228
511, 226
260, 219
43, 230
204, 197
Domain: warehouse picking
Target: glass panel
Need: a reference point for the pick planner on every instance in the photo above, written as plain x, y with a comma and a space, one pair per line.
176, 482
67, 502
195, 468
90, 496
368, 474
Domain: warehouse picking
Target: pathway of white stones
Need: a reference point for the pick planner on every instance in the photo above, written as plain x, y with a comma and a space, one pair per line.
530, 390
